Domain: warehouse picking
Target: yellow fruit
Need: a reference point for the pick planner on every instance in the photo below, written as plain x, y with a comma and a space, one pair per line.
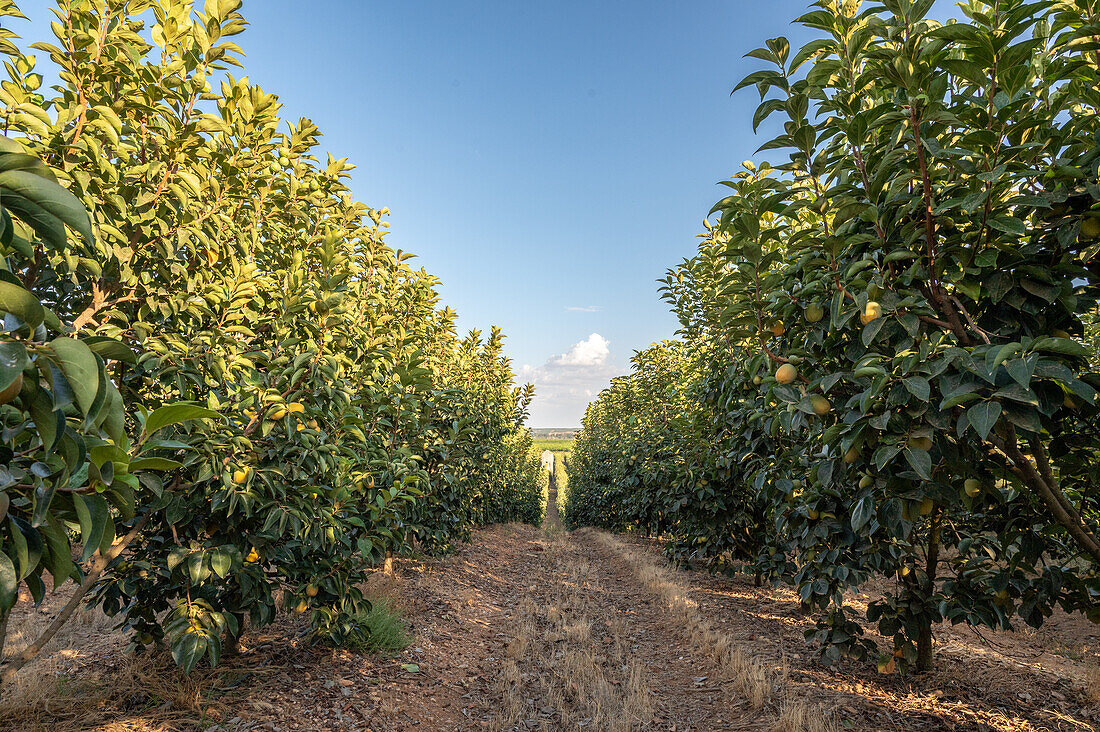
313, 424
972, 486
926, 506
278, 413
920, 442
814, 313
786, 373
253, 556
778, 329
311, 590
302, 606
852, 455
873, 311
820, 405
12, 390
240, 476
295, 408
300, 427
866, 481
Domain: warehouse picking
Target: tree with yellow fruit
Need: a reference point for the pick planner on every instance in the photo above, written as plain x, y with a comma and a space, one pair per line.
941, 301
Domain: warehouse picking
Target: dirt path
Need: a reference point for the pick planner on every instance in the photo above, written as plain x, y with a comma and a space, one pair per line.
524, 629
540, 629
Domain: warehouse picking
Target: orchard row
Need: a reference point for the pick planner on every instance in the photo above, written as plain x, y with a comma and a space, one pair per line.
884, 366
216, 376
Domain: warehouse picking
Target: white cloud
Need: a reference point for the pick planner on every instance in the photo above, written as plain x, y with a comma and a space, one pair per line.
567, 382
590, 352
587, 309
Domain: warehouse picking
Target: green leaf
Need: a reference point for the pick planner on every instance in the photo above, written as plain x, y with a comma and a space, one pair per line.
188, 649
983, 416
80, 368
21, 303
93, 514
220, 561
918, 386
862, 513
1004, 352
13, 359
955, 400
921, 462
1065, 346
1020, 369
59, 560
154, 463
175, 414
111, 349
47, 196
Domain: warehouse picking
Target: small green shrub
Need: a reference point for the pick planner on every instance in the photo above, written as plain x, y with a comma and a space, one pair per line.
387, 631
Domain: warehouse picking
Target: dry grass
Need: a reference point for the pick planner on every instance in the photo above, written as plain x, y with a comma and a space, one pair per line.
146, 693
553, 657
759, 685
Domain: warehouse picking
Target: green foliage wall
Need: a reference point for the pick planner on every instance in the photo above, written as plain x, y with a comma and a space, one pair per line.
889, 330
225, 265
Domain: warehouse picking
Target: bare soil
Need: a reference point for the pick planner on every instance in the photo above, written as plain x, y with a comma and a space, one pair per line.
529, 628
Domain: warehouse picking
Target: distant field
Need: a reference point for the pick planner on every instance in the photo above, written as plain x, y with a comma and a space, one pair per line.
554, 433
553, 445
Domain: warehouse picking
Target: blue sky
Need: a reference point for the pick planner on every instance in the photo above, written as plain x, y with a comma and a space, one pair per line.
548, 161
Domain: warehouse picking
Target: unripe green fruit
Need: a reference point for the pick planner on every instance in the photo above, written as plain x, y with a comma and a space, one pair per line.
757, 380
920, 443
852, 455
866, 481
814, 313
786, 373
1090, 228
820, 405
972, 486
11, 391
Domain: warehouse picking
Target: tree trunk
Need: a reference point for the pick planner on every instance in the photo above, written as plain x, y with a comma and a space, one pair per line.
924, 638
99, 564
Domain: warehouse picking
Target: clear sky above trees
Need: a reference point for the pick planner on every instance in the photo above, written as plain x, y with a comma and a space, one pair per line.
547, 161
